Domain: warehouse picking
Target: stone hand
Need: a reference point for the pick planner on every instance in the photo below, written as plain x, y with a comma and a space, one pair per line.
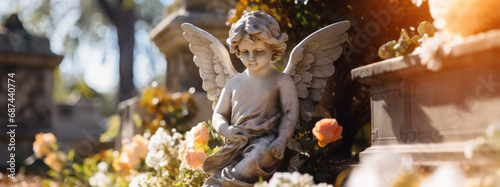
277, 148
234, 134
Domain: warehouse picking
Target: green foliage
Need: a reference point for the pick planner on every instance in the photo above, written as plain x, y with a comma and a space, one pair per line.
406, 45
426, 28
317, 159
75, 173
164, 109
189, 177
113, 126
216, 140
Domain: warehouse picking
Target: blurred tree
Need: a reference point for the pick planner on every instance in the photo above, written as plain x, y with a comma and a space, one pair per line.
373, 24
89, 20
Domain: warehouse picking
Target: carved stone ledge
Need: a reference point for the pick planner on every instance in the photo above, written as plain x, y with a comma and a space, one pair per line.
430, 114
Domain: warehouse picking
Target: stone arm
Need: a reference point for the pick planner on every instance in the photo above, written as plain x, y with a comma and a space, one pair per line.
289, 104
222, 117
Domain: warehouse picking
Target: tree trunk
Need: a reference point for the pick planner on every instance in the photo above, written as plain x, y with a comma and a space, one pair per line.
126, 41
124, 19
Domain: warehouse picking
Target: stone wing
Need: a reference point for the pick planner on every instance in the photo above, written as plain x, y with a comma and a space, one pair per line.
311, 63
212, 58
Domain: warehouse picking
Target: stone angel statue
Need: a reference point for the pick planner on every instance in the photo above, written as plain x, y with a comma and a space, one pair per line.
258, 110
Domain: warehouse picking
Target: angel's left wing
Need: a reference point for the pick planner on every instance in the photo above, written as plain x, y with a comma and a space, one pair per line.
311, 63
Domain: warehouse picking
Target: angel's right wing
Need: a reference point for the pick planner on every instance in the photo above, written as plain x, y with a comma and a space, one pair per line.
212, 58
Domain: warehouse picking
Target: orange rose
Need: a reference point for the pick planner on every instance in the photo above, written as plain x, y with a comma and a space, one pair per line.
122, 164
55, 161
131, 152
194, 158
43, 144
200, 134
140, 146
191, 155
327, 130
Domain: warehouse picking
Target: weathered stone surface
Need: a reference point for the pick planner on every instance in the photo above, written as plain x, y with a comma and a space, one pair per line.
78, 125
431, 114
30, 58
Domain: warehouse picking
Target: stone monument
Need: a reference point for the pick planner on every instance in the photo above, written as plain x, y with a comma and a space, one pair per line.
258, 110
431, 114
30, 58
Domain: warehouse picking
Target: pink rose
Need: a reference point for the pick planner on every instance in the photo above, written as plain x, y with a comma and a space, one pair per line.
182, 150
327, 130
192, 156
200, 134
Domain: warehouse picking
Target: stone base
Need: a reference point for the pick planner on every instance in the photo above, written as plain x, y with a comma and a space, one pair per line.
431, 114
425, 154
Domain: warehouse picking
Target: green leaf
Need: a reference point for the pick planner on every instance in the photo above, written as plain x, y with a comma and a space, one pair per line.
55, 147
71, 155
215, 150
76, 167
137, 119
66, 172
113, 128
177, 182
426, 28
350, 7
52, 173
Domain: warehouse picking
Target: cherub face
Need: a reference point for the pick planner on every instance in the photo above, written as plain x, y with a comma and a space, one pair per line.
255, 55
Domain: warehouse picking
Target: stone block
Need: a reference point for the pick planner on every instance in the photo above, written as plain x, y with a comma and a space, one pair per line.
431, 114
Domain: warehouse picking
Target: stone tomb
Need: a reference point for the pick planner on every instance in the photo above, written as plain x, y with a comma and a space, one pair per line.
30, 58
430, 115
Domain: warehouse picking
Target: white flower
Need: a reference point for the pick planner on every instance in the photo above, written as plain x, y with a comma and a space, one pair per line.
154, 158
102, 166
99, 179
158, 141
165, 173
147, 180
379, 170
139, 180
445, 175
417, 2
432, 50
493, 129
291, 179
452, 15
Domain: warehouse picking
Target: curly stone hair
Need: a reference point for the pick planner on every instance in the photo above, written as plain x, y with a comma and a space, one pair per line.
257, 25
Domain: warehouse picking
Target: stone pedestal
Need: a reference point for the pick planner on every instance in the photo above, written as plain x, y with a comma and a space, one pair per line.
182, 73
30, 58
128, 128
430, 115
